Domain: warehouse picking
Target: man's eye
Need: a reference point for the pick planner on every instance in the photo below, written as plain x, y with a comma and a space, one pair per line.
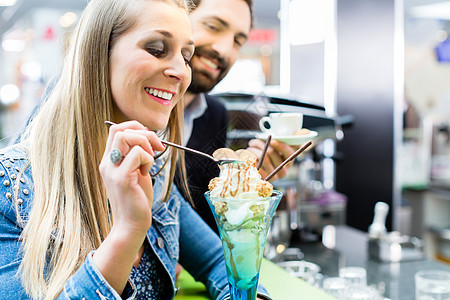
212, 26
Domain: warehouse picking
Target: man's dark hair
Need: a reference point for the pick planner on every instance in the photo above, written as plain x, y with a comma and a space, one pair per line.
249, 2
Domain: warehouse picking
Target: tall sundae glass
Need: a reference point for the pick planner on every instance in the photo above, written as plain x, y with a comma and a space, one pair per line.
243, 206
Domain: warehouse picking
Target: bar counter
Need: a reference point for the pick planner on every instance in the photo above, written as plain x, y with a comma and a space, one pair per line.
351, 249
279, 283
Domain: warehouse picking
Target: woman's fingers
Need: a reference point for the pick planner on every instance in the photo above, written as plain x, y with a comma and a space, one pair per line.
121, 127
138, 158
124, 139
130, 190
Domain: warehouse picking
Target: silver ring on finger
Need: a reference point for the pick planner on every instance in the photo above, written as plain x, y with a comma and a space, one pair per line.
115, 156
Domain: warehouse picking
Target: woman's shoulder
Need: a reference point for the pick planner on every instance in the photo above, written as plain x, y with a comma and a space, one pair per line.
19, 151
16, 185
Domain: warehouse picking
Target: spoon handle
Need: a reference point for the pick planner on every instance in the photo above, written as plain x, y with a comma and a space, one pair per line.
189, 150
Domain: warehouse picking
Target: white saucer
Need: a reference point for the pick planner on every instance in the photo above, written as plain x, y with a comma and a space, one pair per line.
291, 140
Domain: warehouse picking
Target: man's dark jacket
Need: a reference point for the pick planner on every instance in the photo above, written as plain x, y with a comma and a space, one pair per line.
209, 133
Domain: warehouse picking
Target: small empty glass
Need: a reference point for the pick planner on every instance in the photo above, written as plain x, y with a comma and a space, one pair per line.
362, 293
432, 285
354, 276
308, 271
335, 286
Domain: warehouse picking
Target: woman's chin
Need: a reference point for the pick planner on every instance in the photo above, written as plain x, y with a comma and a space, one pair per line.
156, 126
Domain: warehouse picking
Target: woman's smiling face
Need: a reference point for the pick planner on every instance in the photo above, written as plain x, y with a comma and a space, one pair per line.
149, 65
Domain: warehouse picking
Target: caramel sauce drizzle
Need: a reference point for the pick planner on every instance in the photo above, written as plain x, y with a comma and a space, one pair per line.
246, 182
227, 183
243, 174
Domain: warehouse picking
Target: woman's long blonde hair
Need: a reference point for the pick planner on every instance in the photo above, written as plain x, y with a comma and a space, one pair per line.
66, 140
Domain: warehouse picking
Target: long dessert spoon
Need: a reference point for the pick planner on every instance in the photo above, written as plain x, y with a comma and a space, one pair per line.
218, 161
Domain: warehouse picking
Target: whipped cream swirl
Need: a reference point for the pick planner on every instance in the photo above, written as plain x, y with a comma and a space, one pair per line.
239, 181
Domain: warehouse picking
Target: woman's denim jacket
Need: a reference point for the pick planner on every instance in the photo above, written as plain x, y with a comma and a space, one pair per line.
177, 234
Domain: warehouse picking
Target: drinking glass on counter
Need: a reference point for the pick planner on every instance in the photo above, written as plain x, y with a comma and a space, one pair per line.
354, 276
352, 285
432, 285
362, 293
305, 270
336, 287
243, 242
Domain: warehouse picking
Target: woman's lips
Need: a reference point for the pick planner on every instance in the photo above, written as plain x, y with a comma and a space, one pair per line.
161, 96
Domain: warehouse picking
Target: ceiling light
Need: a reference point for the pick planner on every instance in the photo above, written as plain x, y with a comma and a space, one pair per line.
7, 2
67, 19
433, 11
306, 21
9, 93
13, 45
31, 70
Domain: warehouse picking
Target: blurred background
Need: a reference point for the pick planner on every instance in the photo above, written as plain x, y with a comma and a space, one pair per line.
378, 69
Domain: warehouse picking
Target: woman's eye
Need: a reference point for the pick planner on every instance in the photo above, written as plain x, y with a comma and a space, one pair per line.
187, 60
187, 56
155, 51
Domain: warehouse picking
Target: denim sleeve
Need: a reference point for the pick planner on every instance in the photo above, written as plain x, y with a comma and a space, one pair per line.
10, 259
89, 283
201, 254
86, 283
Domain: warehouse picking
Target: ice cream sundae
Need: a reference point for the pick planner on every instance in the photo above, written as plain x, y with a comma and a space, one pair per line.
243, 205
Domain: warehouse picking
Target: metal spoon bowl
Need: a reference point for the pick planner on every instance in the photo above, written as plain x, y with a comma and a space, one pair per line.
218, 161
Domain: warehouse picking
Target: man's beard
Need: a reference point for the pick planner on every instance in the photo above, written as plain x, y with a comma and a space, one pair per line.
201, 83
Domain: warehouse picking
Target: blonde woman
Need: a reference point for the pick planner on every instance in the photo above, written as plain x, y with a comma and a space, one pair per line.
81, 215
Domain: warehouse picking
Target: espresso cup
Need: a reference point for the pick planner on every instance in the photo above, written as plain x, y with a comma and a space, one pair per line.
282, 124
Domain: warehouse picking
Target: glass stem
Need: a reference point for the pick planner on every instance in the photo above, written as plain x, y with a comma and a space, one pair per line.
238, 294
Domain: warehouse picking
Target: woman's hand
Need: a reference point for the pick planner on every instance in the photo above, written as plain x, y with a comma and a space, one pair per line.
130, 192
128, 182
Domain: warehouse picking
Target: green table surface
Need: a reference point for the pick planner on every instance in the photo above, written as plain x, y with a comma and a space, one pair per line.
279, 283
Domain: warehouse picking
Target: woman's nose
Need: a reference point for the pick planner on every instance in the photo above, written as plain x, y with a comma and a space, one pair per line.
178, 69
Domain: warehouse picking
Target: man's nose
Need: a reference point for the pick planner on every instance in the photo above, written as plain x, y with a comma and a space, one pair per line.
224, 45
